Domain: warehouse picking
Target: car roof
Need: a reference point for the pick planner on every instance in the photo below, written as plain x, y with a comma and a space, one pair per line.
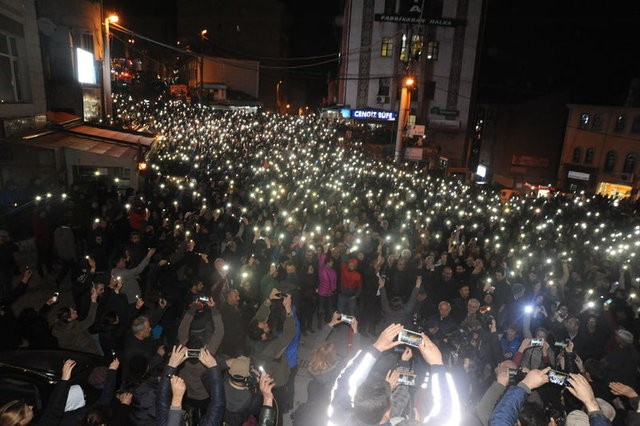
50, 361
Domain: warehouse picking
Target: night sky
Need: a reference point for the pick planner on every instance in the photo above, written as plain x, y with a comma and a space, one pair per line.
577, 47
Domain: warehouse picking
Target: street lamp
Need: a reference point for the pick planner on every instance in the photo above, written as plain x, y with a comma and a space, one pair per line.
278, 95
106, 68
405, 106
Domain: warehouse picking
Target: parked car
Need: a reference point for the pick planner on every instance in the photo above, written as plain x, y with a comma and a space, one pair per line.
32, 374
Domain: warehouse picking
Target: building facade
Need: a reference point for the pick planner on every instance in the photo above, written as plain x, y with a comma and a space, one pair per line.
22, 95
384, 41
601, 149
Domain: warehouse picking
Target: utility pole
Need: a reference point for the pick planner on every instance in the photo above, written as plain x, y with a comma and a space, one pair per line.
403, 114
106, 70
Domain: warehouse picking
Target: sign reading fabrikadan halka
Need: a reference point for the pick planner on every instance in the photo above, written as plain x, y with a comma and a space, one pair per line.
439, 22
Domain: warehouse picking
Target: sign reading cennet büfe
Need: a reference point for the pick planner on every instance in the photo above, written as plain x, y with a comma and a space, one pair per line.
373, 114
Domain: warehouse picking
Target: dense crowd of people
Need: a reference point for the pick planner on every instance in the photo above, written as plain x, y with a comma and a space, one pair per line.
252, 231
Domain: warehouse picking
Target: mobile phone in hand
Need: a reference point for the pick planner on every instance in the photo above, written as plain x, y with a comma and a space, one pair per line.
558, 378
193, 353
346, 318
410, 338
408, 379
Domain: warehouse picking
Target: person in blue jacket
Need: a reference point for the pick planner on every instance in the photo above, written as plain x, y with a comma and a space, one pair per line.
509, 410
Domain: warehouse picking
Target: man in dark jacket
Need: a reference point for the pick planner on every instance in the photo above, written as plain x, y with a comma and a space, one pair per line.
170, 406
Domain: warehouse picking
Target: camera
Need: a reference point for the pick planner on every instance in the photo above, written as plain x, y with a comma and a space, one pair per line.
560, 344
281, 295
55, 296
203, 299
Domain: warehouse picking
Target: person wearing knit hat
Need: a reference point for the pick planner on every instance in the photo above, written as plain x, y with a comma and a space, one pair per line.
577, 418
624, 337
607, 409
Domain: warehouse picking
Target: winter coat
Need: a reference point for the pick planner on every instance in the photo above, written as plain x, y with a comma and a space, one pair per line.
75, 335
327, 278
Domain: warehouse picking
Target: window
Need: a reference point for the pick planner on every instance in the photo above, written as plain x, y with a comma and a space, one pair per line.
588, 156
577, 155
404, 48
10, 72
430, 90
610, 161
389, 7
629, 163
432, 50
620, 122
584, 121
383, 86
635, 125
86, 42
417, 42
387, 47
596, 122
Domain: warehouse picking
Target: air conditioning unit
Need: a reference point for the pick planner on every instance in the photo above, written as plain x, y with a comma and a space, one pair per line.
382, 99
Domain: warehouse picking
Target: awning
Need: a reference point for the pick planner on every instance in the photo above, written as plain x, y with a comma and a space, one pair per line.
64, 140
112, 135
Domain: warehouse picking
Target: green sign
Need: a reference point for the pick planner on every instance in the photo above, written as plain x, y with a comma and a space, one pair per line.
445, 112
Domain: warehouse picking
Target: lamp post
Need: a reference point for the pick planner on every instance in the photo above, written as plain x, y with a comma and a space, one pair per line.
278, 96
405, 106
106, 69
203, 35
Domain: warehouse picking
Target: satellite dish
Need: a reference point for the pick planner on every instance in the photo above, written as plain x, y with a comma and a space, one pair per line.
46, 26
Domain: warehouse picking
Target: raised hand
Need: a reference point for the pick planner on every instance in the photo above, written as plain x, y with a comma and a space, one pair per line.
536, 378
581, 389
206, 358
114, 364
386, 339
67, 368
618, 388
178, 388
178, 355
430, 351
392, 378
407, 354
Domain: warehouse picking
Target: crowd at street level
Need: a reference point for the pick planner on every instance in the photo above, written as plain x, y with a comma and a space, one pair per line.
254, 230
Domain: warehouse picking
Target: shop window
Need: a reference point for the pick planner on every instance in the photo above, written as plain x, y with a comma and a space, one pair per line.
620, 122
588, 156
584, 121
629, 163
577, 155
387, 47
610, 161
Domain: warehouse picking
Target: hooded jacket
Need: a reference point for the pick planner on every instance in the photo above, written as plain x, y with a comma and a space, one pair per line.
350, 281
